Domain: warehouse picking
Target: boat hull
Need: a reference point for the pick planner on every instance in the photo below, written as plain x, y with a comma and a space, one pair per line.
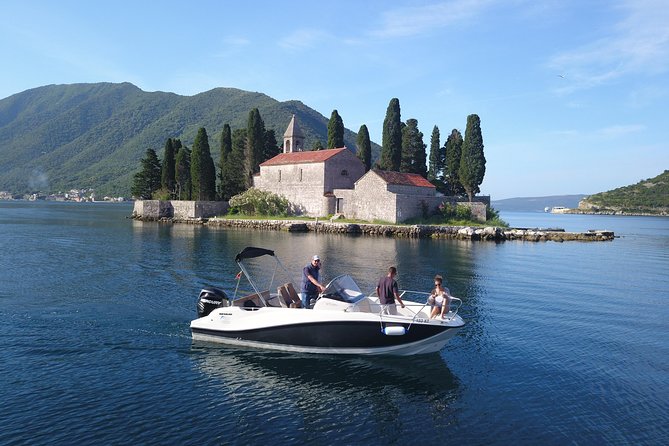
324, 335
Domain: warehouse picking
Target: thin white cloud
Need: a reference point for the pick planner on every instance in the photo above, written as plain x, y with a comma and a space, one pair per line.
303, 39
613, 131
415, 20
637, 45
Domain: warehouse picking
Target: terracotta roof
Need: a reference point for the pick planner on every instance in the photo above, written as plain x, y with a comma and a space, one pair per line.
316, 156
405, 179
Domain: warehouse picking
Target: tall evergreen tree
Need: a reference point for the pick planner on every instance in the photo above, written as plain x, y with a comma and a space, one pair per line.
255, 144
147, 180
167, 180
413, 149
391, 147
335, 131
453, 152
472, 161
434, 171
235, 179
202, 171
226, 149
271, 148
364, 147
184, 188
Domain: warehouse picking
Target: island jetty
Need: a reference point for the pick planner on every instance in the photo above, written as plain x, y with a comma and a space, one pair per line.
496, 234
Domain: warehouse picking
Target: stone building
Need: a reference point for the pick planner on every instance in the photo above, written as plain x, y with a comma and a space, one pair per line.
307, 179
324, 182
388, 196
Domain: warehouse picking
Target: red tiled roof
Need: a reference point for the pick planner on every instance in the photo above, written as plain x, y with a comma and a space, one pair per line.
316, 156
405, 179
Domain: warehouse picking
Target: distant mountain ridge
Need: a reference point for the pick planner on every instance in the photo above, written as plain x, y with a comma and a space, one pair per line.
650, 196
59, 137
531, 204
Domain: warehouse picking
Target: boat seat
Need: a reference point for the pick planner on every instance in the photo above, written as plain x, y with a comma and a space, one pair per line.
287, 291
282, 298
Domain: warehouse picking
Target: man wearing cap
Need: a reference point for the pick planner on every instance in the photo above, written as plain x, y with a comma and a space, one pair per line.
310, 284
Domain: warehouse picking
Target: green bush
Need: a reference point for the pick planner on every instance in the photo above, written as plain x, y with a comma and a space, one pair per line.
258, 202
455, 211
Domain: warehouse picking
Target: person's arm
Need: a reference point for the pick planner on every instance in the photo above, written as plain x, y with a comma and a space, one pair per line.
397, 296
315, 282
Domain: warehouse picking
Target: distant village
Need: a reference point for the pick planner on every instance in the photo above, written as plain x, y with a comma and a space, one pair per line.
75, 195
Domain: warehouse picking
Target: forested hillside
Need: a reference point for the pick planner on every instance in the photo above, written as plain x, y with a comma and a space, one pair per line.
59, 137
647, 196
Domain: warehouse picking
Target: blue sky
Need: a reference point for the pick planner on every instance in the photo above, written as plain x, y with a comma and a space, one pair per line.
572, 95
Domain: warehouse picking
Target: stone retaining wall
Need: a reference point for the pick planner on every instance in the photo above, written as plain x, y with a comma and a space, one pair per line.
415, 231
177, 209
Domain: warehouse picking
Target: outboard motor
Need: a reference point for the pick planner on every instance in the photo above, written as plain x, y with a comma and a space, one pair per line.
210, 298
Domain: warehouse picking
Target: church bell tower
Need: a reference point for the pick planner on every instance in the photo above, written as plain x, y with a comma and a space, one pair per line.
293, 138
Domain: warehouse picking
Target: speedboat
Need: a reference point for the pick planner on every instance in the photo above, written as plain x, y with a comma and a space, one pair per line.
343, 319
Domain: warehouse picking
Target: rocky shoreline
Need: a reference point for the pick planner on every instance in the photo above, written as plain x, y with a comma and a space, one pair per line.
495, 234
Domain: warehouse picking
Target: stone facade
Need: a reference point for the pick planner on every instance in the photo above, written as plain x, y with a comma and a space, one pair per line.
180, 210
307, 179
395, 198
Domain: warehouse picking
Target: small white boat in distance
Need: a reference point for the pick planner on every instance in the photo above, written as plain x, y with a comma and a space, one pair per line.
559, 210
343, 320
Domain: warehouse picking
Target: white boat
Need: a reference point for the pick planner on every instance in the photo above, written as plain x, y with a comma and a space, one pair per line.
343, 320
559, 210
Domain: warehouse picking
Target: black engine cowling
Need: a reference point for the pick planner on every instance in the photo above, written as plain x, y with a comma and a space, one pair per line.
210, 298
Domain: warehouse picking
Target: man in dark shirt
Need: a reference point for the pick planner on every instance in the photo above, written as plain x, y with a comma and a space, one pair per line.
310, 284
388, 291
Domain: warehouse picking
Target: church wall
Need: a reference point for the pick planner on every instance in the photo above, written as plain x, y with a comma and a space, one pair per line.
301, 184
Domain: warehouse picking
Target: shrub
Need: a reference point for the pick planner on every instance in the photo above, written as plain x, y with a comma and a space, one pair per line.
455, 211
258, 202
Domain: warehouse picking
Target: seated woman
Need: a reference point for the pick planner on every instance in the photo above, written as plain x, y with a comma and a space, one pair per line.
439, 298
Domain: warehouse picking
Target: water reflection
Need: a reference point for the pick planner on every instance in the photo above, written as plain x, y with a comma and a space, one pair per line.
350, 398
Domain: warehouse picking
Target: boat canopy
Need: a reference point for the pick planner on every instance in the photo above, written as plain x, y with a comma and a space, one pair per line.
251, 252
343, 288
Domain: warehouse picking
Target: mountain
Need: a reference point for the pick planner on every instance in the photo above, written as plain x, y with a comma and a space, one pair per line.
60, 137
530, 204
649, 196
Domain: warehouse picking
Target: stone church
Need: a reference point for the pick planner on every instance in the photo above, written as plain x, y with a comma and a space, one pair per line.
325, 182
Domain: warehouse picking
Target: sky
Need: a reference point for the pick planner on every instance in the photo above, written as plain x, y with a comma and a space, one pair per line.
572, 95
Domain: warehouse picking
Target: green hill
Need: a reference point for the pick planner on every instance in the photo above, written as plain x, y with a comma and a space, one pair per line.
59, 137
649, 196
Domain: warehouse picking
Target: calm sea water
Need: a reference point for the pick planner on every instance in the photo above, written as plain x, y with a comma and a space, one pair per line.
565, 343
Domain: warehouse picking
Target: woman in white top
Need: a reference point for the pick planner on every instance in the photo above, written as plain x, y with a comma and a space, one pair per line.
439, 298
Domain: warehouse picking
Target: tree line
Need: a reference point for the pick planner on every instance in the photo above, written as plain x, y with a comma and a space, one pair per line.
456, 168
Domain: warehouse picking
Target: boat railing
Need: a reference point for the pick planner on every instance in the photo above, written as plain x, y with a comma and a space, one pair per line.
415, 307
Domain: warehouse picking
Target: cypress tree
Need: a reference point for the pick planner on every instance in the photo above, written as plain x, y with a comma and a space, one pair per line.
413, 149
453, 152
472, 160
271, 148
335, 131
203, 173
147, 180
182, 173
235, 176
255, 144
436, 161
391, 147
167, 180
364, 147
226, 148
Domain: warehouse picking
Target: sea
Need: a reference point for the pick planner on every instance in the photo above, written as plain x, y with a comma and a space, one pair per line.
565, 343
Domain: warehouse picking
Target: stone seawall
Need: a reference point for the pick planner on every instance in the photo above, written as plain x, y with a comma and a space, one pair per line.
415, 231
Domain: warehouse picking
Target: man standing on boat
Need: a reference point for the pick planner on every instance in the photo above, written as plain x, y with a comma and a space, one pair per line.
388, 291
310, 284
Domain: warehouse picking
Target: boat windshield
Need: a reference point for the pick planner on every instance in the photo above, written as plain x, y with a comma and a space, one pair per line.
343, 288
